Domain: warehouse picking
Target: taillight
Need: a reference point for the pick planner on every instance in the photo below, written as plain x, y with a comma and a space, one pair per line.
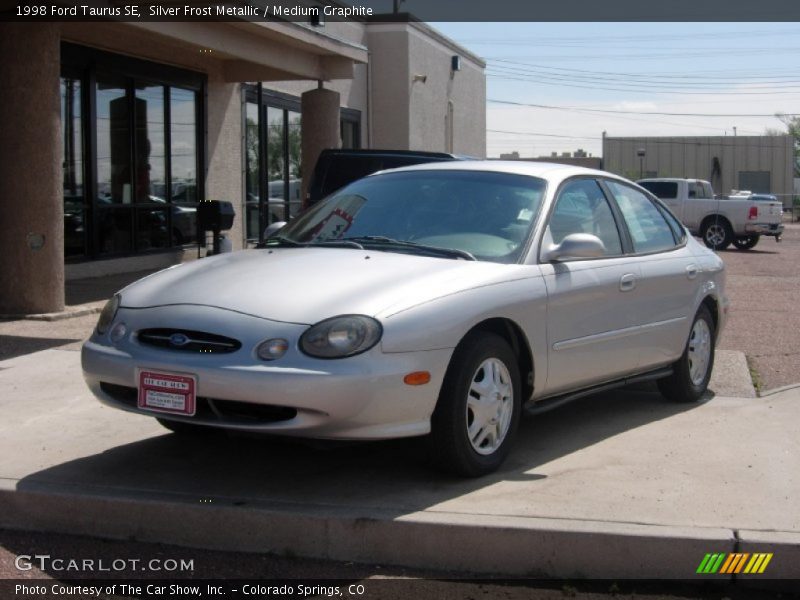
753, 214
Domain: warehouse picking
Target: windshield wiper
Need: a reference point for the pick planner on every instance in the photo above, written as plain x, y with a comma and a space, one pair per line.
280, 241
284, 241
381, 240
338, 243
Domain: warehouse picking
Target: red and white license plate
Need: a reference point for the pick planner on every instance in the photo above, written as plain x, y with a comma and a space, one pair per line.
167, 392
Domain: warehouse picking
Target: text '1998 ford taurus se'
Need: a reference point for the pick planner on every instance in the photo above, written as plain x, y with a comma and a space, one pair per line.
434, 300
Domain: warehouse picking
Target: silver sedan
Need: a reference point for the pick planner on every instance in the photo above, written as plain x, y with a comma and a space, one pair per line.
437, 300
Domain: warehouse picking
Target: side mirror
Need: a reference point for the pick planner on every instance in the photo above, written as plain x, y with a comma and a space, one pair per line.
575, 245
274, 228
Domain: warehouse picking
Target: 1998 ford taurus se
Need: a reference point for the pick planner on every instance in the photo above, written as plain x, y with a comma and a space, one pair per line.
431, 300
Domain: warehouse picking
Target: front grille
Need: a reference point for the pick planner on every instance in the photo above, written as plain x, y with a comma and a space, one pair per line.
186, 340
211, 409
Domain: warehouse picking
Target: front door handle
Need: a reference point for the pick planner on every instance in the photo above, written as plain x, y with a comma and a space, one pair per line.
627, 282
691, 271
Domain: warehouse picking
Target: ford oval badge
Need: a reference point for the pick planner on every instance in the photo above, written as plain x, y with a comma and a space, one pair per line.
178, 339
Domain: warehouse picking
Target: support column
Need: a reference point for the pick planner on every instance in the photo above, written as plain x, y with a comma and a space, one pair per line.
319, 129
31, 202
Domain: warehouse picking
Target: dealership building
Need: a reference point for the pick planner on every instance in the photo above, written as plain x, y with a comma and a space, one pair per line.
761, 164
113, 131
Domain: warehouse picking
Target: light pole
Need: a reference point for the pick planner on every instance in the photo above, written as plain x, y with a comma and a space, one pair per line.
640, 153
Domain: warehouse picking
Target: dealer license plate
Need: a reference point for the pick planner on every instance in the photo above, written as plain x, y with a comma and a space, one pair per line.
167, 392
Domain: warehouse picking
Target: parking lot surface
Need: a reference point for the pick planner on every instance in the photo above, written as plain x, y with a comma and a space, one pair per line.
764, 286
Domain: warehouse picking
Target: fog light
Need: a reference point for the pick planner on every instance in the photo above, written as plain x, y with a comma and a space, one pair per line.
272, 349
118, 332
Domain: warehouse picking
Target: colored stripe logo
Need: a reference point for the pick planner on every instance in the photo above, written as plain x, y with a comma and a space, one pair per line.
732, 563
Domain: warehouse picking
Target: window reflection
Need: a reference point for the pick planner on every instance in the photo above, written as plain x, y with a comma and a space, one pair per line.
152, 229
113, 143
253, 168
183, 129
276, 165
295, 164
150, 145
72, 131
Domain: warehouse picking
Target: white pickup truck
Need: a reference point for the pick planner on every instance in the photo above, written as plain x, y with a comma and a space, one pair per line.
737, 220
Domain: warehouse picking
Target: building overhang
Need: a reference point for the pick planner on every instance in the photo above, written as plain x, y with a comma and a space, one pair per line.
241, 50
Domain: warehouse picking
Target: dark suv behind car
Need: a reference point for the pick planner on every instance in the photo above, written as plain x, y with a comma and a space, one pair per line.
336, 168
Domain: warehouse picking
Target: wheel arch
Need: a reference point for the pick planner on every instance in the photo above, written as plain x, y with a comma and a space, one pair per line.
512, 333
712, 304
714, 217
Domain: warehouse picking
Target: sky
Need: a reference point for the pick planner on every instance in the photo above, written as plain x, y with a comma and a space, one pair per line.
737, 70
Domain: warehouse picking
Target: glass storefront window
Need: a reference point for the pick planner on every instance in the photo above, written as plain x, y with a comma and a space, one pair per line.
278, 128
152, 228
295, 163
276, 164
252, 169
183, 128
113, 143
74, 191
132, 173
151, 171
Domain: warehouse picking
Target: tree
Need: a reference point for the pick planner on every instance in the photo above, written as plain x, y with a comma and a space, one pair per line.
792, 128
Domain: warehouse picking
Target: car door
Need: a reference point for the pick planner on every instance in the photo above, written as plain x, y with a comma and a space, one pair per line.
668, 277
592, 303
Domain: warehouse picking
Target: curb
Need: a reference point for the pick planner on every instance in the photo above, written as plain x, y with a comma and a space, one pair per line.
56, 316
493, 545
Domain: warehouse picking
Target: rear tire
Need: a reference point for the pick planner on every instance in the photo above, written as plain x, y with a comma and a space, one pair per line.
477, 415
187, 429
691, 373
745, 243
717, 234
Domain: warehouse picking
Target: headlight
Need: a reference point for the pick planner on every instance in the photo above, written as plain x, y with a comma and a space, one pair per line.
108, 314
342, 336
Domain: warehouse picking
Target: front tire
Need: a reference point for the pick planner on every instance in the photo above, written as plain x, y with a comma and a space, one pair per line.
745, 243
692, 372
477, 415
717, 234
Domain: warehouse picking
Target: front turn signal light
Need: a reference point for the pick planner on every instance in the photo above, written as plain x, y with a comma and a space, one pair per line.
417, 378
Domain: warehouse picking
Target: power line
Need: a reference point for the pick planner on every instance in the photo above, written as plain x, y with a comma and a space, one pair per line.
543, 80
634, 112
649, 74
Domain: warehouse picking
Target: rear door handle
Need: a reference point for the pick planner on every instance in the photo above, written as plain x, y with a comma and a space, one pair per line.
627, 282
691, 271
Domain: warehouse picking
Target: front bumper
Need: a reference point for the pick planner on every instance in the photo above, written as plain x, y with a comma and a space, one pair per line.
361, 397
770, 229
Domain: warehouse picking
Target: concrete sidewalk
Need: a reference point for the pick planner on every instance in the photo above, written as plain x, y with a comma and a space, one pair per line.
612, 486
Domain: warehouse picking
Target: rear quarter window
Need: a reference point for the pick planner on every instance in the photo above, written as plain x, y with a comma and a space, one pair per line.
661, 189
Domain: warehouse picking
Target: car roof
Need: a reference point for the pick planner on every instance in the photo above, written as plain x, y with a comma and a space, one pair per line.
672, 179
543, 170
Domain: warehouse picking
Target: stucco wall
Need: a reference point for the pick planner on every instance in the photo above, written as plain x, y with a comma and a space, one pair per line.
466, 89
412, 83
224, 144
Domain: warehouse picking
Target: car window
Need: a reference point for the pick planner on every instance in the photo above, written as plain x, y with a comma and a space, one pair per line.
678, 230
583, 208
661, 189
648, 227
489, 215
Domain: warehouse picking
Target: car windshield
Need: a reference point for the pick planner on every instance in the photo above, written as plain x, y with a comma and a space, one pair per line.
453, 214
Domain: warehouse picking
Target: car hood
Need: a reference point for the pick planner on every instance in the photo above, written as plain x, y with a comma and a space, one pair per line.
306, 285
